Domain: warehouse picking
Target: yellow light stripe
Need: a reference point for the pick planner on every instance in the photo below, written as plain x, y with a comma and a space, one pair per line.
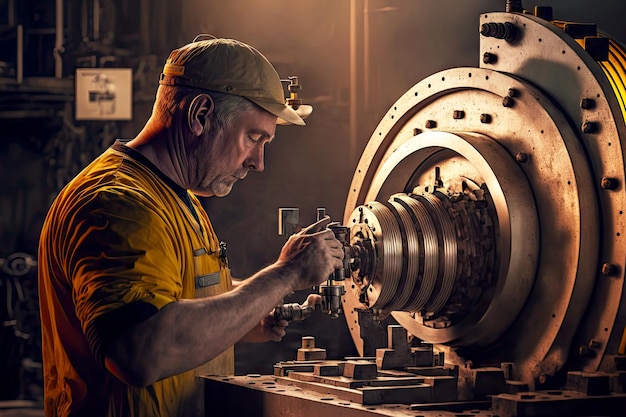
615, 71
622, 345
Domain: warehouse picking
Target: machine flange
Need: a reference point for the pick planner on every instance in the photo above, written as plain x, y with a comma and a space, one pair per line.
541, 141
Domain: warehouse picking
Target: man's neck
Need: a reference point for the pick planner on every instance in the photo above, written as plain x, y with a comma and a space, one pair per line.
165, 149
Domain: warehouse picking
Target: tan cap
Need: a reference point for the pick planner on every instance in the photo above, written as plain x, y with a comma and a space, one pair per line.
232, 67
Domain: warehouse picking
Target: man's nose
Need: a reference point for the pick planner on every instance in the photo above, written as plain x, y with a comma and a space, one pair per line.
255, 161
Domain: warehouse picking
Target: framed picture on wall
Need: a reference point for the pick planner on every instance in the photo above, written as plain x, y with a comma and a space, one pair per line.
104, 94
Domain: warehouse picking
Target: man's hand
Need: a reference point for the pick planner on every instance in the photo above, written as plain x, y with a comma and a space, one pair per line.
272, 328
307, 259
313, 253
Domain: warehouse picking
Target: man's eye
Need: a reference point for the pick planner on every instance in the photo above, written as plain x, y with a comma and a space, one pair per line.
255, 139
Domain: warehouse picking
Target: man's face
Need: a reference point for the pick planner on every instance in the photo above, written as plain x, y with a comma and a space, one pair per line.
235, 150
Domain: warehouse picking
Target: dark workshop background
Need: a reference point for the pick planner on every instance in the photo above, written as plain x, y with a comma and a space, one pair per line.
394, 44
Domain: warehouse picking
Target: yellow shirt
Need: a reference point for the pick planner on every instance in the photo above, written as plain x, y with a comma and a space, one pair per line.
118, 244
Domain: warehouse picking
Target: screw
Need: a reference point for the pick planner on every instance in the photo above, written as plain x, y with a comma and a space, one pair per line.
594, 344
416, 131
508, 101
485, 118
506, 31
609, 269
513, 92
589, 127
458, 114
521, 157
430, 124
608, 183
587, 103
489, 58
587, 351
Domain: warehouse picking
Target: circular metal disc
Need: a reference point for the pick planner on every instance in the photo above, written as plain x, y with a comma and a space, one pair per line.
556, 170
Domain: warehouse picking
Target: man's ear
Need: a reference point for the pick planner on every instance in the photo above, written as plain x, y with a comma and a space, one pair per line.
198, 113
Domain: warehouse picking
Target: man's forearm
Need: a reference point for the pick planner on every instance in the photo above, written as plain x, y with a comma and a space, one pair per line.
188, 333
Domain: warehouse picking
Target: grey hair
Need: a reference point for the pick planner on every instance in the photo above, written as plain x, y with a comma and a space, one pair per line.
227, 106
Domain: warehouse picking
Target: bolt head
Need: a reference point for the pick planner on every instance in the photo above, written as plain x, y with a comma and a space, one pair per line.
587, 103
508, 101
430, 124
489, 58
608, 183
609, 269
589, 127
521, 157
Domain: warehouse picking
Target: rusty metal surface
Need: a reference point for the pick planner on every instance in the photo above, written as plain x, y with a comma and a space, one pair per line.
536, 104
266, 396
558, 403
482, 160
556, 170
555, 62
359, 387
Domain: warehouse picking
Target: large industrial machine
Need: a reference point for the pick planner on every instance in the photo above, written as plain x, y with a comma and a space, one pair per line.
484, 237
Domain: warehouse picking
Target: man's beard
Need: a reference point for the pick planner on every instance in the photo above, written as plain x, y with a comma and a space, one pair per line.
220, 187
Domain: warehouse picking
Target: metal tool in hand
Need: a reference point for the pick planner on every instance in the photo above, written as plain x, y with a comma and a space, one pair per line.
334, 289
292, 312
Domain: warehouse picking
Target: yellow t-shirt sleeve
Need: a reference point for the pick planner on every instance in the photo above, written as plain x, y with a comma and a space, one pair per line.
123, 252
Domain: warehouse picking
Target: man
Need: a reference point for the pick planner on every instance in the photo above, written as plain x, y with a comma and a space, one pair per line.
135, 293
